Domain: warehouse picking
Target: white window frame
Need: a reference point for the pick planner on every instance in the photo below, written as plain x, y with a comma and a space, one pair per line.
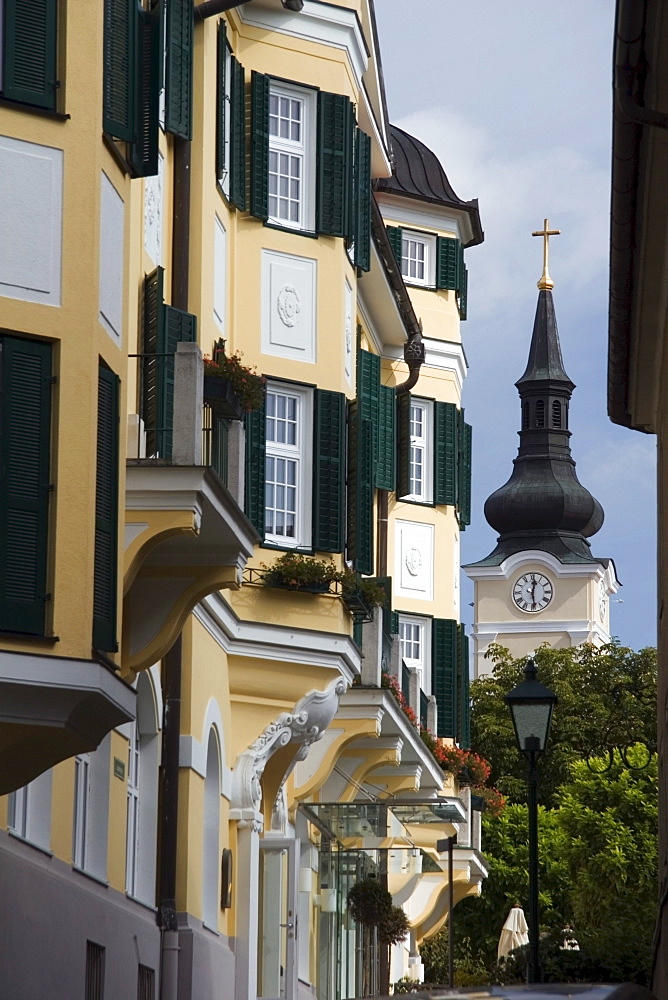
133, 802
423, 661
425, 445
305, 149
81, 810
224, 181
90, 828
428, 242
29, 810
302, 452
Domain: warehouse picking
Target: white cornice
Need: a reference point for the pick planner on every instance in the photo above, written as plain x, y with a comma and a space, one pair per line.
574, 627
445, 355
330, 650
593, 571
425, 215
321, 23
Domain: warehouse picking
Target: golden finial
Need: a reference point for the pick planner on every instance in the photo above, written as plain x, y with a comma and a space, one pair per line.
545, 279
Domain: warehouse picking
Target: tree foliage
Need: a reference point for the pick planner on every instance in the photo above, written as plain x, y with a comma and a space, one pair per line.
607, 698
598, 822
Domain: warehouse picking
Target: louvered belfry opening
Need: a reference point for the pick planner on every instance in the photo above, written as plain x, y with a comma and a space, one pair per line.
556, 414
540, 413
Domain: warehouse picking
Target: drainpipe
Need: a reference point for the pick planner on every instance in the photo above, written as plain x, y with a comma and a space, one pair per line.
168, 824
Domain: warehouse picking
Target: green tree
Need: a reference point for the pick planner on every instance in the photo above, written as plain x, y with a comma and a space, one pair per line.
607, 698
610, 827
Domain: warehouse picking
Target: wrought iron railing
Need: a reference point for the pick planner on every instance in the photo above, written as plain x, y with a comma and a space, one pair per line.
424, 708
405, 681
215, 442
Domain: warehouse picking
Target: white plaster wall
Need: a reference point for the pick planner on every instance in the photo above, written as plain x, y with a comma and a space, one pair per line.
289, 306
112, 227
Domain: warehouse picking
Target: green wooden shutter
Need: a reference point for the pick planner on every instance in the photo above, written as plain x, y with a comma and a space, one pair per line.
447, 262
329, 481
394, 623
105, 581
259, 145
386, 439
144, 149
362, 200
151, 364
221, 99
25, 448
360, 491
464, 472
463, 292
444, 674
403, 445
120, 28
395, 236
179, 75
368, 385
237, 135
446, 453
29, 52
177, 326
334, 157
255, 423
463, 695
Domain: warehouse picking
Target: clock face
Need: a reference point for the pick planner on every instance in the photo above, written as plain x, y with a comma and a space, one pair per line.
532, 592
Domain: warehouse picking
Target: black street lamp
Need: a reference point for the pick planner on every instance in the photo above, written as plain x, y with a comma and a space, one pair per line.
531, 705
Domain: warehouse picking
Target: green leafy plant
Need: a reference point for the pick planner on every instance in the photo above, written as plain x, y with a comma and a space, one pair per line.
247, 384
371, 592
371, 904
293, 569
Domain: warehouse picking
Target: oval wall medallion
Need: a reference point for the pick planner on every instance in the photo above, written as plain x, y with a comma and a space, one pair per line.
288, 305
413, 561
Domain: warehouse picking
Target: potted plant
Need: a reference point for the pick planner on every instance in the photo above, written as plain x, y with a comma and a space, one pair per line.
371, 905
230, 387
361, 595
295, 571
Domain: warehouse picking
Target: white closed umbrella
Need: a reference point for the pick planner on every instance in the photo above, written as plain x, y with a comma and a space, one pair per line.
514, 933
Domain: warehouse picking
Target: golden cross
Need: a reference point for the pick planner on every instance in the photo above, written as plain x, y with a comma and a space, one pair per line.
545, 232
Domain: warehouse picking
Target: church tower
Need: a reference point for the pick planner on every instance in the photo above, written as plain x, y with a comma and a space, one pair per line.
542, 583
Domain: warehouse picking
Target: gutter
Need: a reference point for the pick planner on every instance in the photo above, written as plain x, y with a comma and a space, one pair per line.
414, 346
212, 7
630, 116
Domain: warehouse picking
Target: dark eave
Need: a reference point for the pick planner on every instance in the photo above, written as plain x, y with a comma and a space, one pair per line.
639, 206
393, 272
417, 173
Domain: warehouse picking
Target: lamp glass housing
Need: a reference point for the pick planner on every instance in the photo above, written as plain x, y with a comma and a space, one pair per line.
531, 705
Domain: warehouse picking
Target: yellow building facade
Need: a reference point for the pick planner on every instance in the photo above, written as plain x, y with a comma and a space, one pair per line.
229, 603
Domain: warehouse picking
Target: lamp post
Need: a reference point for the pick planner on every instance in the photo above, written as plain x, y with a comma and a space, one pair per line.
531, 705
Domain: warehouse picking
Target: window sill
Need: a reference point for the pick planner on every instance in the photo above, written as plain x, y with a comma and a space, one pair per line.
309, 233
140, 902
121, 161
304, 550
44, 640
94, 878
417, 503
30, 843
210, 929
32, 109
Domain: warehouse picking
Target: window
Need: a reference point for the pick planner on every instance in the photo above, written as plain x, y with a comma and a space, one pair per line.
29, 811
415, 647
81, 805
211, 834
132, 849
28, 50
556, 413
287, 500
94, 971
418, 258
291, 174
91, 810
540, 413
421, 457
142, 794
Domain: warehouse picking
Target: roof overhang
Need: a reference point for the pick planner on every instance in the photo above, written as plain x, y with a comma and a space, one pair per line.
639, 208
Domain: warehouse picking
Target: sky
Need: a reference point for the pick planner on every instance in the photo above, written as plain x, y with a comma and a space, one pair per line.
515, 100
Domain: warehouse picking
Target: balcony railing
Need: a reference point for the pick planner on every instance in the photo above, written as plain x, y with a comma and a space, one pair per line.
174, 425
405, 682
424, 709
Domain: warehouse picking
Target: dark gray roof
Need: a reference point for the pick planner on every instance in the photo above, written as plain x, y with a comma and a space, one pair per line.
417, 173
545, 361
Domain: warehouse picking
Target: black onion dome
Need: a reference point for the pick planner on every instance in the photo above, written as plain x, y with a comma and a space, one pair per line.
543, 505
417, 173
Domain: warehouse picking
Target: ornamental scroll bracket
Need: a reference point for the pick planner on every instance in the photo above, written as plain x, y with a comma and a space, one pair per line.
304, 725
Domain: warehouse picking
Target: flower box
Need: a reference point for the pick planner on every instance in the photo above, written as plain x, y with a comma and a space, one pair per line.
221, 397
318, 587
